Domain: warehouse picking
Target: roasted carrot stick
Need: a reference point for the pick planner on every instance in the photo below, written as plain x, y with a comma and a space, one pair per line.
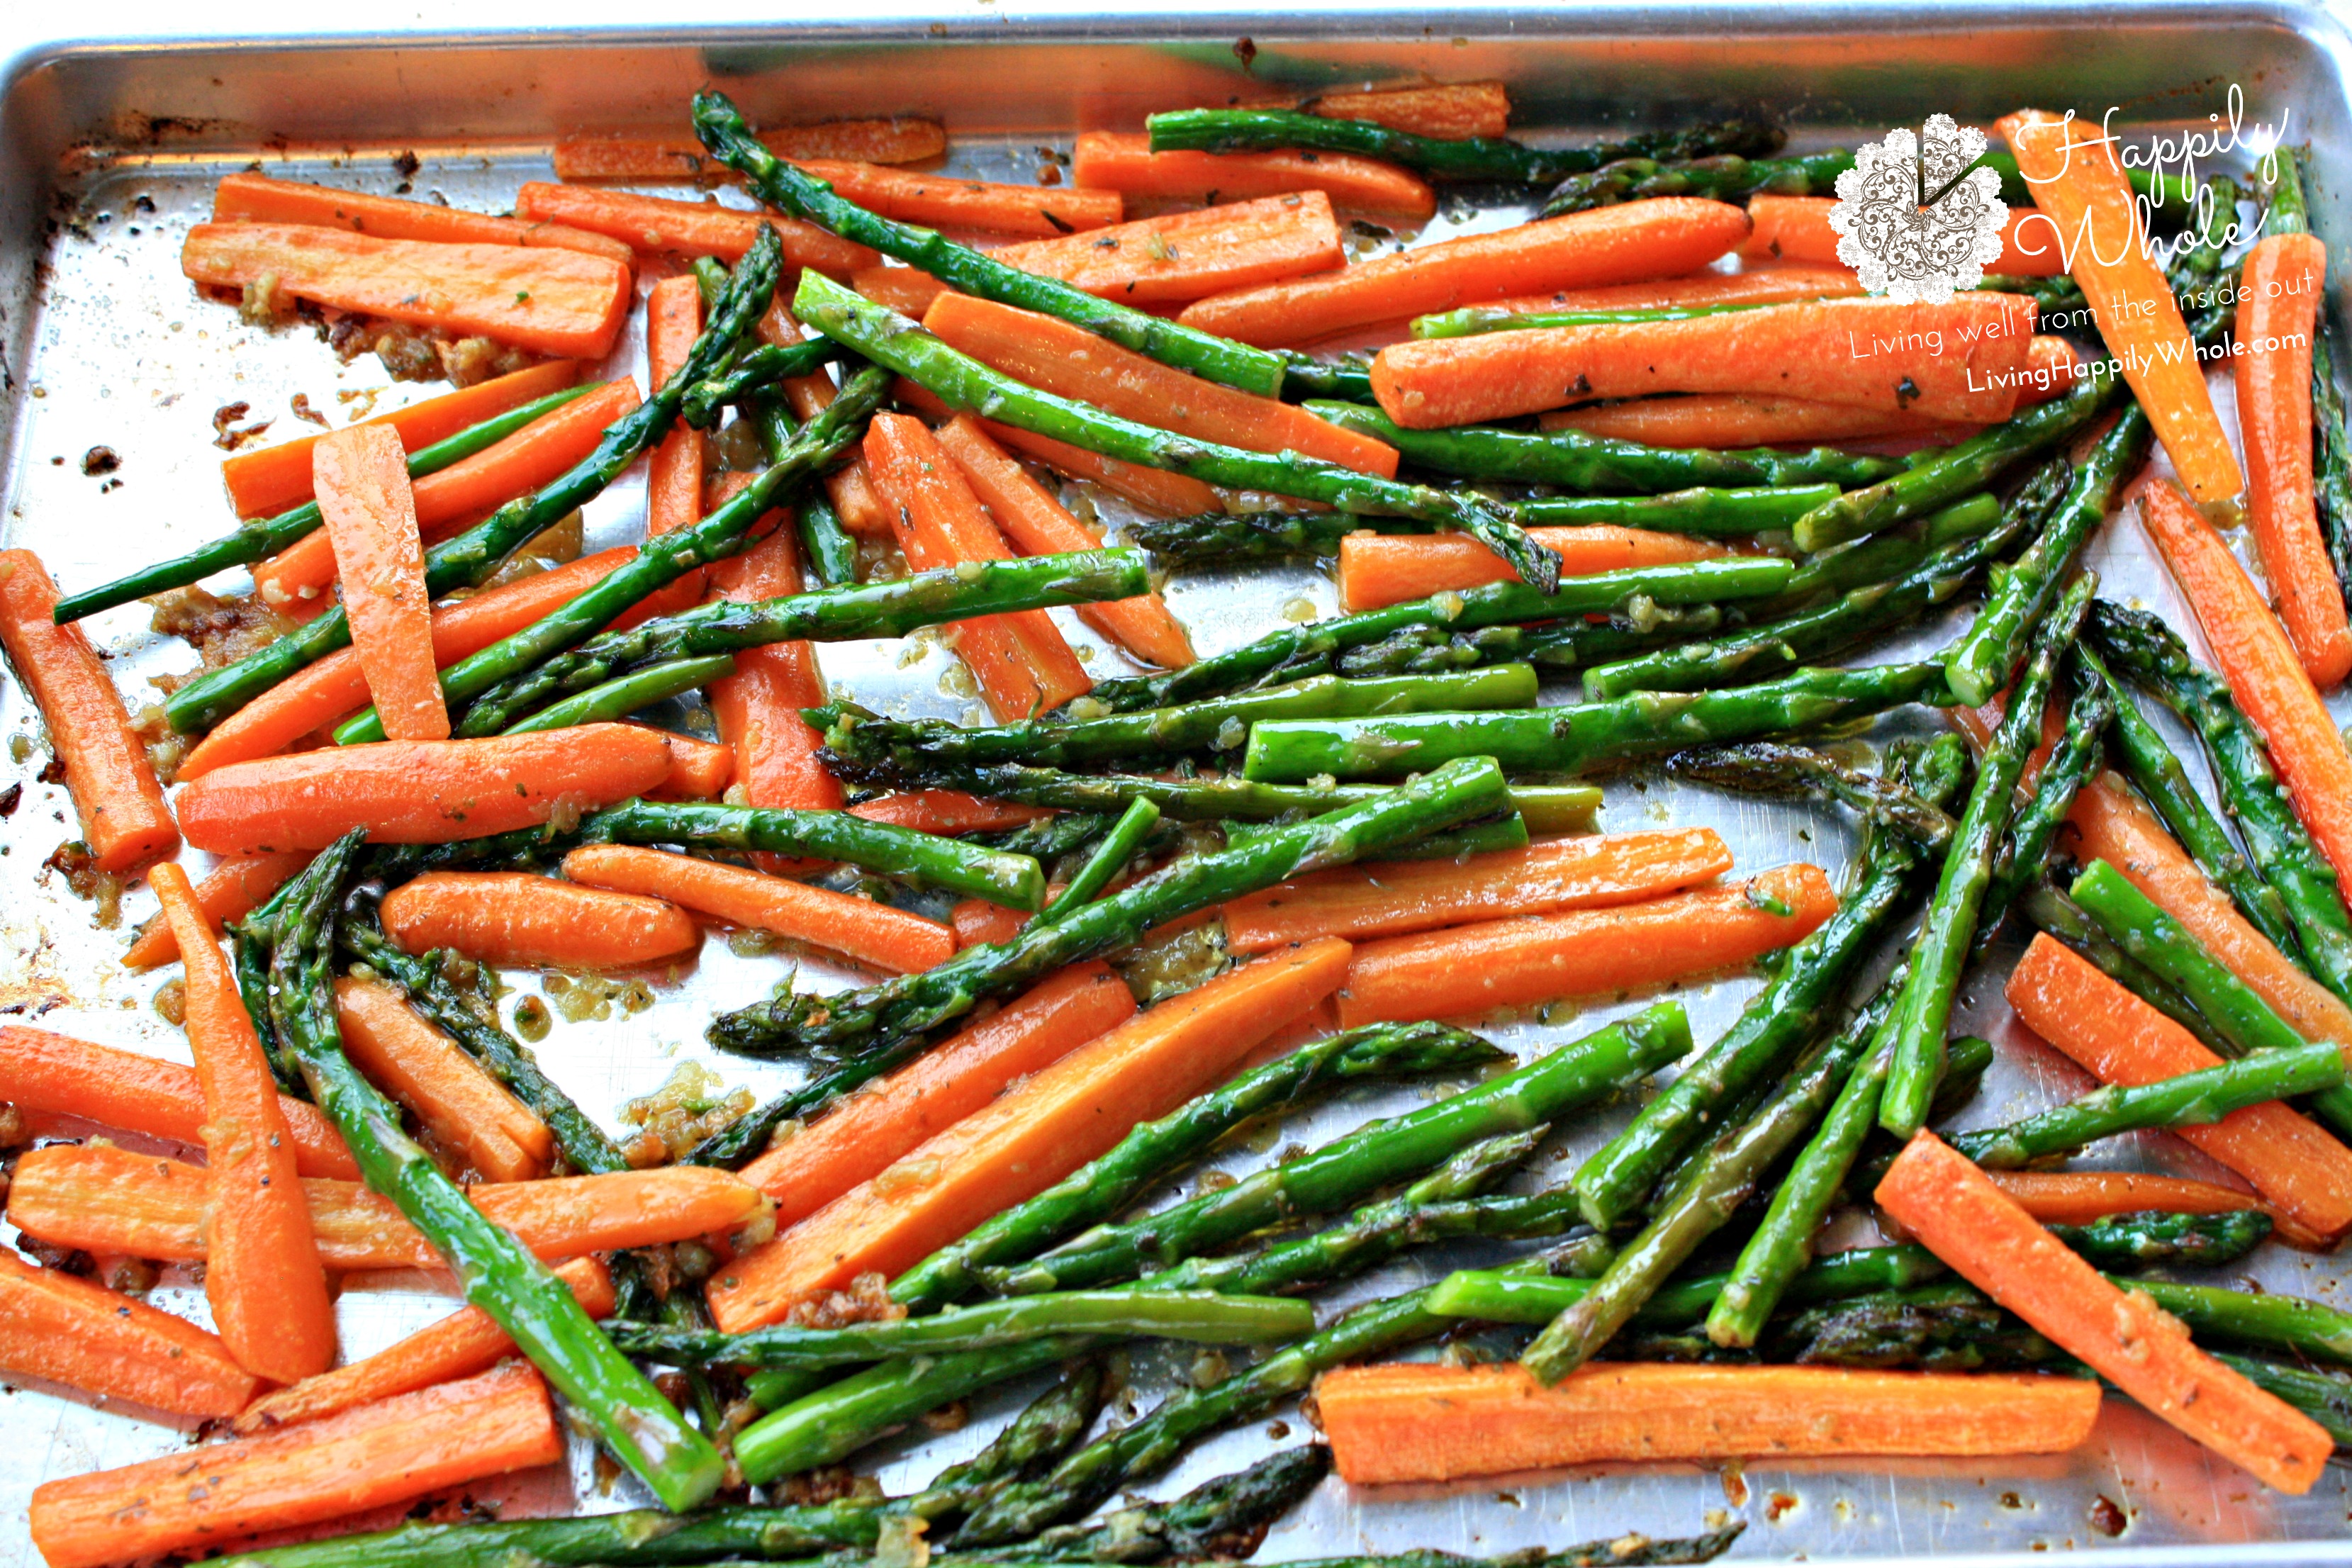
2254, 655
466, 1110
1156, 491
1609, 244
899, 140
1021, 660
868, 1133
1444, 112
896, 941
557, 302
1521, 962
698, 769
1037, 524
258, 198
943, 202
1377, 569
903, 289
2082, 1197
652, 224
265, 1283
105, 1200
420, 792
1697, 290
2143, 1350
1028, 1138
363, 1458
516, 917
978, 922
2280, 289
115, 794
236, 887
673, 473
1422, 1421
1124, 162
946, 812
57, 1075
1797, 228
63, 1329
1718, 419
1067, 360
1959, 361
2076, 179
464, 1344
370, 521
848, 487
1358, 902
2290, 1159
758, 707
265, 480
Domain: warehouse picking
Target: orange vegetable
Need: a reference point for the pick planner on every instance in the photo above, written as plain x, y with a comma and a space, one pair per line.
518, 918
236, 887
1522, 962
1156, 491
1072, 363
1797, 228
420, 792
1959, 361
65, 1330
674, 474
1737, 419
465, 1343
1171, 258
873, 1129
1037, 524
1028, 1138
1445, 112
116, 796
106, 1200
1021, 660
57, 1075
2077, 181
979, 923
267, 481
257, 198
558, 302
1377, 569
902, 289
2083, 1197
2280, 290
947, 812
654, 223
944, 202
1609, 244
2143, 1350
758, 707
1361, 901
899, 140
468, 1112
1124, 162
1765, 286
364, 1459
370, 521
848, 487
1410, 1421
698, 769
2252, 653
265, 1283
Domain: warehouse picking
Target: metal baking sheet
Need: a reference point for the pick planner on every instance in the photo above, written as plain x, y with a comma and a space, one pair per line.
108, 149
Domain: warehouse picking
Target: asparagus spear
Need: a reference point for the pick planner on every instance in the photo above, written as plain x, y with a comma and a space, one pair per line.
497, 1273
1109, 858
754, 370
2125, 1242
1557, 645
1900, 549
261, 537
1219, 1521
1725, 177
625, 694
825, 542
2192, 1098
2080, 750
2332, 456
1523, 1295
465, 561
642, 1536
1772, 768
1475, 158
2053, 911
2324, 1396
1051, 1427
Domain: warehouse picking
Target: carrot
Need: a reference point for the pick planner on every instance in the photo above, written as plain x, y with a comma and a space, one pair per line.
1698, 290
673, 475
947, 812
116, 796
236, 887
2254, 655
872, 1129
364, 1459
902, 289
2281, 284
1027, 1138
979, 923
1797, 228
1444, 112
1067, 360
266, 1286
1521, 962
1959, 361
698, 769
2127, 1338
899, 140
107, 1200
63, 1329
943, 202
420, 792
2084, 1197
461, 493
464, 1344
1156, 491
758, 708
267, 481
370, 522
1021, 660
1609, 244
556, 302
1377, 569
1592, 872
652, 224
1175, 258
1037, 524
1124, 162
257, 198
57, 1075
2077, 181
848, 487
538, 922
465, 1110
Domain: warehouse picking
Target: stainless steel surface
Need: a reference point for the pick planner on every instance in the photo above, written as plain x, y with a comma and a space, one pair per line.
102, 342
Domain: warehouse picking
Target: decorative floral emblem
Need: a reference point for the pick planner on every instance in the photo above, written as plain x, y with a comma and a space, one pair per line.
1914, 218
